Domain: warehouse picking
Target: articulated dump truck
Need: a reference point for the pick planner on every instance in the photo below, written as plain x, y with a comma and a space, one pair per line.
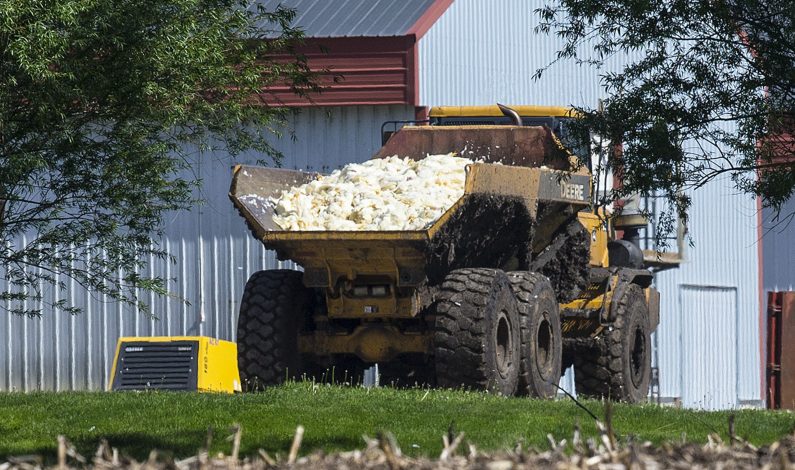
517, 281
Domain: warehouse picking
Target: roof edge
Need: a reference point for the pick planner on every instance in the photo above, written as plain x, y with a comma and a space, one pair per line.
429, 18
369, 36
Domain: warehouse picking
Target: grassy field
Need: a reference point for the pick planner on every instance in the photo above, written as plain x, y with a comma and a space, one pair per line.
335, 418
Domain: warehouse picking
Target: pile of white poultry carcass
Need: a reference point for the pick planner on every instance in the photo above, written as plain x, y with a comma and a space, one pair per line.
381, 194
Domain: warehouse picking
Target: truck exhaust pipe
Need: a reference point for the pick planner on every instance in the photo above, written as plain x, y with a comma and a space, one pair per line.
517, 120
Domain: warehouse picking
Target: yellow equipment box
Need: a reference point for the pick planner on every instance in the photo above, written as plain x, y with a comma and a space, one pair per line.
191, 363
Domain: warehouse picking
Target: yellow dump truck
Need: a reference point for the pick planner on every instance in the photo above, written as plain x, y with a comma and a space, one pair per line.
516, 281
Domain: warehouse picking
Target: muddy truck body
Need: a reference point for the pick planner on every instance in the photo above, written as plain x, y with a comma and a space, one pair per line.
518, 280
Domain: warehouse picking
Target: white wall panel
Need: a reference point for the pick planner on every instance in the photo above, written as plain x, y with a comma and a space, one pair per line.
709, 347
725, 255
481, 52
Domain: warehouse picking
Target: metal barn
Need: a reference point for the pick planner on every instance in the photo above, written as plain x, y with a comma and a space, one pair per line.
399, 58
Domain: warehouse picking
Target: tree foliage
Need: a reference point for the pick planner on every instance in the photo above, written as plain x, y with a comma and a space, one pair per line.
709, 90
100, 104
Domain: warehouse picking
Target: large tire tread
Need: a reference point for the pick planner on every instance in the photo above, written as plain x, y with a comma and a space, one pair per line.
601, 363
532, 289
272, 309
460, 336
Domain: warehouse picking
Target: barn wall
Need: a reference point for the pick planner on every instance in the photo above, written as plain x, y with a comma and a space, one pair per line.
709, 367
215, 255
724, 258
477, 54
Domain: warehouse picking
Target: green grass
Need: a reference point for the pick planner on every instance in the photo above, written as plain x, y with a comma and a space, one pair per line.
335, 419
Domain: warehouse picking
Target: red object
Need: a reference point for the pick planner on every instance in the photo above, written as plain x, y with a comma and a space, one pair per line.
783, 145
362, 70
780, 352
355, 71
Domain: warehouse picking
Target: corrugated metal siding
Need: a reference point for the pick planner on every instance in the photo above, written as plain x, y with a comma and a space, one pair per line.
778, 246
477, 54
215, 255
346, 18
723, 227
709, 347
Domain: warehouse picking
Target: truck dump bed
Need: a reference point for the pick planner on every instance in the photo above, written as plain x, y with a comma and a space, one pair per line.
491, 225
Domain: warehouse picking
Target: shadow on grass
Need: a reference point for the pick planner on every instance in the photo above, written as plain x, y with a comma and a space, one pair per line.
336, 443
138, 446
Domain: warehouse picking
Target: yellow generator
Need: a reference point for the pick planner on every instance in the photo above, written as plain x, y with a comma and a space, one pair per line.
191, 363
517, 280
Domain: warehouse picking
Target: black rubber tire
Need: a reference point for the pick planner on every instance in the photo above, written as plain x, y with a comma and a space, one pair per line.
541, 340
617, 363
274, 306
476, 336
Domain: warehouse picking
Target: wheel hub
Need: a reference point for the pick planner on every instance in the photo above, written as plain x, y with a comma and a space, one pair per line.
543, 352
